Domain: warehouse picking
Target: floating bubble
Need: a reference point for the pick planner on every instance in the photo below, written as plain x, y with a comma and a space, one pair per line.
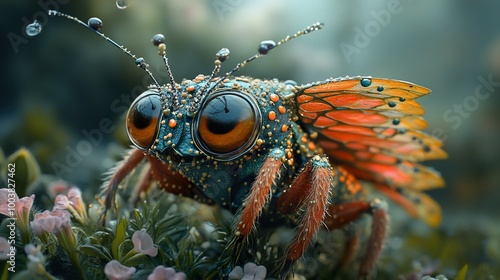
33, 29
122, 4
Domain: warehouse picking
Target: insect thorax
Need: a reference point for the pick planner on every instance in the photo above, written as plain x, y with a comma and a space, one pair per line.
221, 170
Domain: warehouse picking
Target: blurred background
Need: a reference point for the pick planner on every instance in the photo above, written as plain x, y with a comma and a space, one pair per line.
67, 85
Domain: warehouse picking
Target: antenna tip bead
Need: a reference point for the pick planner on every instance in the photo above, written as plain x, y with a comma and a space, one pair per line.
158, 39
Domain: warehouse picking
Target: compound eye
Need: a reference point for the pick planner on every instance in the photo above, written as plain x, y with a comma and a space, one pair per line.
142, 119
228, 124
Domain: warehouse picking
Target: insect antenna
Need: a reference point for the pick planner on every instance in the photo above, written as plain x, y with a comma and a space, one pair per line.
159, 41
95, 24
263, 49
220, 57
267, 45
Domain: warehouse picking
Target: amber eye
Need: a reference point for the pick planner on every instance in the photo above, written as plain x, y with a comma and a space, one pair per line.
227, 125
142, 119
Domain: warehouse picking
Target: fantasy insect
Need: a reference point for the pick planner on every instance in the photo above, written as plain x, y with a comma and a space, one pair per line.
276, 152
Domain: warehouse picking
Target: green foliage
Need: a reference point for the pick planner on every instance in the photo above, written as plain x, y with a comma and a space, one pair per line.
202, 250
25, 171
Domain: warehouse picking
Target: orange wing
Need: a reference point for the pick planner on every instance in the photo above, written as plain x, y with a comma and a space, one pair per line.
372, 127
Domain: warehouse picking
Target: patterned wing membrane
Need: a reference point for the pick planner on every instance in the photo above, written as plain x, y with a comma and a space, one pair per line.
372, 127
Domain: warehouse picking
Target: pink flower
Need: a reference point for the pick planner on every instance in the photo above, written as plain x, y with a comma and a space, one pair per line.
114, 270
12, 206
8, 200
61, 202
143, 243
73, 203
23, 206
58, 187
75, 196
51, 222
166, 273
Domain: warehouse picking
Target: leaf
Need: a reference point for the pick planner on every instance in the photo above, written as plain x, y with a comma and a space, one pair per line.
2, 157
90, 250
462, 273
121, 230
23, 168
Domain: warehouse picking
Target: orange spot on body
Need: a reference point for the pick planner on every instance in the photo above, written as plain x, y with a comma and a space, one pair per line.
311, 146
284, 128
190, 89
271, 116
281, 109
274, 97
172, 123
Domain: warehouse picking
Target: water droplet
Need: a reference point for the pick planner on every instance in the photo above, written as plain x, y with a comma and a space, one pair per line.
380, 88
266, 46
33, 29
392, 104
95, 23
366, 82
122, 4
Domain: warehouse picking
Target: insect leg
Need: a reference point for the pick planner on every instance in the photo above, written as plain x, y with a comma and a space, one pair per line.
341, 215
124, 168
172, 181
259, 194
254, 203
309, 190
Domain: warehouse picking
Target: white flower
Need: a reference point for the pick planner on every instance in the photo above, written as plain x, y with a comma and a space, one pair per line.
166, 273
114, 270
143, 243
249, 272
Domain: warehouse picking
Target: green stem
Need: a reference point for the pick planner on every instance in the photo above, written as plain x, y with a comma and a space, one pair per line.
75, 261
